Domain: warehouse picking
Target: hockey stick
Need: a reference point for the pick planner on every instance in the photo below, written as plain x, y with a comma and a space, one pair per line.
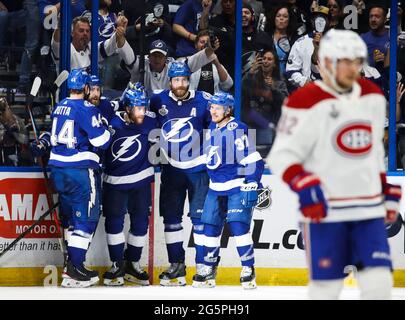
56, 85
142, 46
34, 91
22, 235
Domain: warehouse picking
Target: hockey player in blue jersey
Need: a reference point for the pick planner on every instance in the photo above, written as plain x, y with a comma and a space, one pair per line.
235, 170
182, 115
77, 133
128, 175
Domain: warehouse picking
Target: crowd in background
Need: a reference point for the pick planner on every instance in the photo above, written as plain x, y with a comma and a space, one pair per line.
279, 48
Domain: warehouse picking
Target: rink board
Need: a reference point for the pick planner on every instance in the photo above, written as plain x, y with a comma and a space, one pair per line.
279, 254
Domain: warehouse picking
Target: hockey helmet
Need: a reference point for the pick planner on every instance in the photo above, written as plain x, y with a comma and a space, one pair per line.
77, 79
223, 99
179, 69
342, 44
136, 98
94, 81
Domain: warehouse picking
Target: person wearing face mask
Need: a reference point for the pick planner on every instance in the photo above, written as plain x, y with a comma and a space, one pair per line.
301, 64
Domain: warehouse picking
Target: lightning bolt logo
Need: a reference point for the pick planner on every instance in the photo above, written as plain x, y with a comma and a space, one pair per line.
125, 146
177, 126
211, 154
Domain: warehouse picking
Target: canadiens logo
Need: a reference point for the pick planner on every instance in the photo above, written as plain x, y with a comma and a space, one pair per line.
177, 130
123, 146
353, 139
263, 199
163, 110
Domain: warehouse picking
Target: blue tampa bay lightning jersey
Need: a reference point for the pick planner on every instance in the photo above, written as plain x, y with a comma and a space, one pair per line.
232, 158
108, 108
126, 160
77, 133
182, 123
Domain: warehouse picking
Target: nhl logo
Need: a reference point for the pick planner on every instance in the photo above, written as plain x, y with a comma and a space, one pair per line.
163, 110
263, 199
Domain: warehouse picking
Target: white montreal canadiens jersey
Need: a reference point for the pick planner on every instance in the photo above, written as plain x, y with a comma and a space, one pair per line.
126, 160
77, 133
232, 158
182, 124
340, 139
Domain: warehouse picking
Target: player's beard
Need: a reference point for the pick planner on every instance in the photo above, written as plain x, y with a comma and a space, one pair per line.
180, 92
94, 100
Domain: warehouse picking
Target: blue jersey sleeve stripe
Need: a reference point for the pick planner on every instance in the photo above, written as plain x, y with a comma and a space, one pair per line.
101, 140
251, 158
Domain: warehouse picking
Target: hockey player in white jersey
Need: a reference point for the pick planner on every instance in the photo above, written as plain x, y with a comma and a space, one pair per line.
235, 169
329, 150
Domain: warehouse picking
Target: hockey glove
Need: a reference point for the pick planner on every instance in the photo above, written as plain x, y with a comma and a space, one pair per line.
312, 201
392, 195
249, 194
44, 144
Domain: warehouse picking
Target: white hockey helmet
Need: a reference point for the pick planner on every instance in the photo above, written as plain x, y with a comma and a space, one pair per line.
342, 44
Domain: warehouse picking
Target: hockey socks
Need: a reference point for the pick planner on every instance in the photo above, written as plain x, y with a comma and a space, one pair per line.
174, 236
244, 242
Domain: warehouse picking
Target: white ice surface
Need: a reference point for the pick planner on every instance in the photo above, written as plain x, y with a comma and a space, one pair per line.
172, 293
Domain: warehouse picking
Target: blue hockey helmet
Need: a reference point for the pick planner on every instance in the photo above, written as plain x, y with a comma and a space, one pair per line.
77, 79
223, 99
179, 69
94, 81
136, 98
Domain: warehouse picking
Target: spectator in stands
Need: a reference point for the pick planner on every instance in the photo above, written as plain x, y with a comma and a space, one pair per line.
282, 29
212, 77
377, 39
81, 45
400, 116
300, 14
191, 17
223, 25
13, 137
157, 64
16, 14
263, 94
253, 40
302, 60
78, 7
157, 23
106, 26
336, 15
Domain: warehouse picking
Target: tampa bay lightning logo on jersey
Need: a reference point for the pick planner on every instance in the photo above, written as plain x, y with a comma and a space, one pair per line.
106, 29
126, 148
177, 129
213, 158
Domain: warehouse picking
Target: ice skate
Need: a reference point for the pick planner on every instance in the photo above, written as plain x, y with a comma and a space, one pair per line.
115, 275
248, 277
205, 277
175, 275
75, 277
134, 273
94, 279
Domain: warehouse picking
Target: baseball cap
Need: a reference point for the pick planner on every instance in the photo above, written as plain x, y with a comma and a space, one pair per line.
158, 46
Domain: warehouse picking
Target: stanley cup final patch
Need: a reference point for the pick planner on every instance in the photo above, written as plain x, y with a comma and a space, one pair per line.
263, 198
